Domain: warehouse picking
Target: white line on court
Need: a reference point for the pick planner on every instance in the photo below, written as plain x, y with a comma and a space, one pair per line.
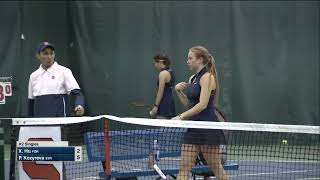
234, 161
272, 173
279, 161
88, 178
240, 175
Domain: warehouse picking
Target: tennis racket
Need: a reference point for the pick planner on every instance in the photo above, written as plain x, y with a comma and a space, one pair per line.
142, 105
145, 106
153, 158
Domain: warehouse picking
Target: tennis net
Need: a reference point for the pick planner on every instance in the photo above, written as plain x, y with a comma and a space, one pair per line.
132, 148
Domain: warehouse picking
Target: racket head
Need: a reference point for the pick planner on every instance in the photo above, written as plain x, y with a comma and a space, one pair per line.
140, 104
220, 115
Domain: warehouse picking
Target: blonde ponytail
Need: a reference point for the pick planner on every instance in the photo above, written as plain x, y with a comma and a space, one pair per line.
209, 61
212, 69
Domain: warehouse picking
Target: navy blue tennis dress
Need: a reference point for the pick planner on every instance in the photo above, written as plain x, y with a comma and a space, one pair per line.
202, 136
166, 107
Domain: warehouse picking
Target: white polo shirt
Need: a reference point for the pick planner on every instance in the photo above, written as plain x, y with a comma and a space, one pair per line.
49, 88
56, 79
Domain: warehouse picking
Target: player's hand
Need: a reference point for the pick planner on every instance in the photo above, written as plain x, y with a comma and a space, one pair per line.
181, 86
79, 110
154, 111
176, 118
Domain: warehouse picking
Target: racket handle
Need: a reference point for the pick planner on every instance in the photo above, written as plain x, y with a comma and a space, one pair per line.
150, 161
155, 167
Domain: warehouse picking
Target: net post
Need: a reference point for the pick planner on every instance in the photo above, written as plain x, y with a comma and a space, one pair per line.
107, 150
13, 140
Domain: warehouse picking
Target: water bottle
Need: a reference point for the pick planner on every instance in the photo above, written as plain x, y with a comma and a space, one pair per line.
156, 151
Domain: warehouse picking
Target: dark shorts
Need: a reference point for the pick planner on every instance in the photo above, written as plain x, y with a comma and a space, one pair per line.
204, 136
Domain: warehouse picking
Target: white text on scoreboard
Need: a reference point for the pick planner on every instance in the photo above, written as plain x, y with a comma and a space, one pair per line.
38, 153
5, 90
42, 143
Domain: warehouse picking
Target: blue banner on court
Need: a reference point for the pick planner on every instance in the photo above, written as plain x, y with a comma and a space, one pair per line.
49, 153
